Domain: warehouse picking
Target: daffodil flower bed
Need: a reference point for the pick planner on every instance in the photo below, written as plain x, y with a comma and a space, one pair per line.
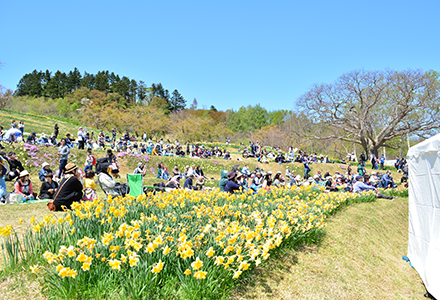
178, 245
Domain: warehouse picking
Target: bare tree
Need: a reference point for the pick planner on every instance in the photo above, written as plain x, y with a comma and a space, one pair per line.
370, 108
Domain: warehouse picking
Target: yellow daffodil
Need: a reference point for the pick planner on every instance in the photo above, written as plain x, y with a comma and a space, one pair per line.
210, 252
200, 274
115, 264
158, 267
197, 264
34, 269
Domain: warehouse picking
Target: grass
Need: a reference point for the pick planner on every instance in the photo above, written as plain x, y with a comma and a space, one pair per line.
360, 257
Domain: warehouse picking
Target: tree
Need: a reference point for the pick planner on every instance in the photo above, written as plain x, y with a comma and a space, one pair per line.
73, 80
370, 108
177, 102
101, 81
194, 104
88, 81
142, 92
30, 84
56, 87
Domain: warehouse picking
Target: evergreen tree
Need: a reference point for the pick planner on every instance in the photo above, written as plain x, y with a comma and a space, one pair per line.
88, 81
177, 102
101, 82
73, 81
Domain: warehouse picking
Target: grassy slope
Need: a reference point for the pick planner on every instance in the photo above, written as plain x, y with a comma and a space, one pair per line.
359, 258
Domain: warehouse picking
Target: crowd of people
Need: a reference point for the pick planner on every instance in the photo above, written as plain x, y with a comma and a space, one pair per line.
193, 178
245, 180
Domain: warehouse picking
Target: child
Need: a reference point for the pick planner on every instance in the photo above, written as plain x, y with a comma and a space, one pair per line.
90, 186
90, 161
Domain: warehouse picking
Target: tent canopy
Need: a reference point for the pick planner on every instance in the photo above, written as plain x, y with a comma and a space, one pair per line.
424, 212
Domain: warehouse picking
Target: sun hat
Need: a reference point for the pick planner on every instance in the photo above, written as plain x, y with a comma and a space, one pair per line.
140, 164
23, 173
297, 178
359, 177
310, 179
231, 175
45, 164
70, 167
316, 176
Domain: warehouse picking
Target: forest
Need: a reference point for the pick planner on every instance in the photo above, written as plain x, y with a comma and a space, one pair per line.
361, 111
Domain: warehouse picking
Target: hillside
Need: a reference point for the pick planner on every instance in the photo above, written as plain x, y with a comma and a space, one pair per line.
360, 257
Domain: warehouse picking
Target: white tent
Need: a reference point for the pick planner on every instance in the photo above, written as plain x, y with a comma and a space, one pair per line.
424, 212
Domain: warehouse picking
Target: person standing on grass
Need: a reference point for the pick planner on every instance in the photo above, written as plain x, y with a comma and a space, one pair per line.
382, 162
56, 130
3, 172
64, 152
306, 169
81, 138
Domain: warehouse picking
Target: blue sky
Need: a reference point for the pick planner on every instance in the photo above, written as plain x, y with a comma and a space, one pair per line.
223, 53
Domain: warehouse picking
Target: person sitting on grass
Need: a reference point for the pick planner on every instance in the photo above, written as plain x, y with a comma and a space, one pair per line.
174, 182
361, 186
70, 190
90, 186
189, 183
48, 187
232, 186
140, 169
23, 187
44, 170
15, 167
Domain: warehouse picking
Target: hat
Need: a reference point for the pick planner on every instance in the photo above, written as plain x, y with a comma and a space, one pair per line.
70, 167
359, 177
310, 179
316, 176
231, 175
80, 128
389, 171
269, 173
45, 164
140, 164
23, 173
33, 133
297, 178
43, 135
279, 172
373, 173
239, 174
329, 178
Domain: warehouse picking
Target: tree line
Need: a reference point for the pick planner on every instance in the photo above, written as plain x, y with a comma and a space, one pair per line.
131, 92
361, 111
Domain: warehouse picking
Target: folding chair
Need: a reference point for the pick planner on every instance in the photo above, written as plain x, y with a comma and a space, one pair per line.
136, 184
